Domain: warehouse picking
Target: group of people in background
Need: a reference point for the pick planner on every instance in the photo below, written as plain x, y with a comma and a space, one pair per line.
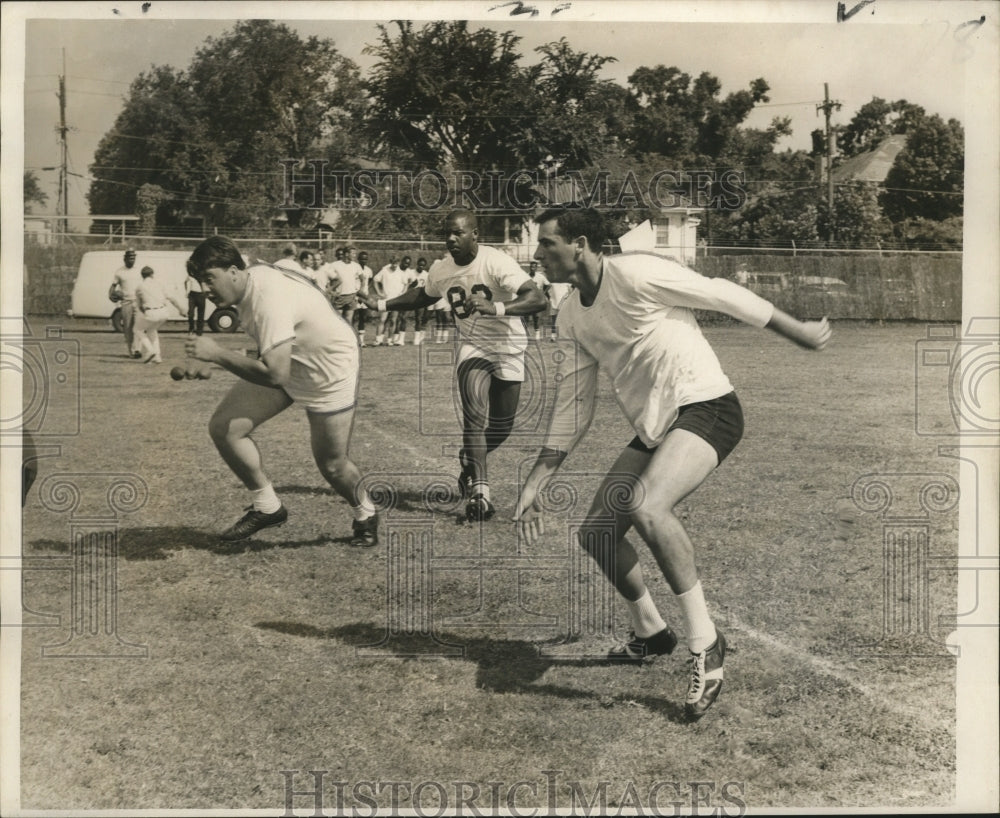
349, 274
143, 301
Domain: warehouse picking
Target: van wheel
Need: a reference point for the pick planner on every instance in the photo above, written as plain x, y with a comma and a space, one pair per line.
116, 320
224, 320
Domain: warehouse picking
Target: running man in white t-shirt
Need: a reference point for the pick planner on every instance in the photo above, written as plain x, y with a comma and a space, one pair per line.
308, 355
632, 316
488, 293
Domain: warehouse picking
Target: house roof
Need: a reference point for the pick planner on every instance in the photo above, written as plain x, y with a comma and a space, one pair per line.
872, 166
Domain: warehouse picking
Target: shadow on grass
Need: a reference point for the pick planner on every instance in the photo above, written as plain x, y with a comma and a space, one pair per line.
155, 542
405, 500
502, 665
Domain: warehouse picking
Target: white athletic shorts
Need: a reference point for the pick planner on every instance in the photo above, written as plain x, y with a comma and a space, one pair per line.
326, 395
507, 366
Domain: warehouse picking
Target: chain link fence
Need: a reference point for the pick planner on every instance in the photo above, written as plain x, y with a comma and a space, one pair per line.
850, 284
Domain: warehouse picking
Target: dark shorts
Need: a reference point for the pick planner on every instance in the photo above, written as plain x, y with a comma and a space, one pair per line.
719, 422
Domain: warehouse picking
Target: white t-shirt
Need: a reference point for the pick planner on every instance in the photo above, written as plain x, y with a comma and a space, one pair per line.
350, 276
289, 263
498, 277
366, 278
641, 330
322, 275
540, 280
394, 281
129, 279
557, 292
281, 307
442, 302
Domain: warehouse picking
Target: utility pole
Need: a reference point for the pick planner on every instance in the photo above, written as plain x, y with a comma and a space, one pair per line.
62, 207
827, 108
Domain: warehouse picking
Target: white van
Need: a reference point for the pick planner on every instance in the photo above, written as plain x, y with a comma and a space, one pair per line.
97, 272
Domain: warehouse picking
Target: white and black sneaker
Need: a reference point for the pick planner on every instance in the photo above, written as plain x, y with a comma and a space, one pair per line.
479, 509
706, 678
636, 649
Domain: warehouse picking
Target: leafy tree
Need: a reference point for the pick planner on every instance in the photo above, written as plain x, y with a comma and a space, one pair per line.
927, 233
159, 140
33, 193
780, 208
874, 122
580, 116
213, 136
857, 218
927, 179
445, 95
686, 120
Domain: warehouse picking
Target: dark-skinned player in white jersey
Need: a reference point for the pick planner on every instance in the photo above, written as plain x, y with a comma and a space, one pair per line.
488, 293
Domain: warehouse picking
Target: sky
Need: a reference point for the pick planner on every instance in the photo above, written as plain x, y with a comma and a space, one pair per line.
915, 51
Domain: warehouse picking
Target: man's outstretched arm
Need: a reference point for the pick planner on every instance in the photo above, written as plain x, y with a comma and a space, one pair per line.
808, 334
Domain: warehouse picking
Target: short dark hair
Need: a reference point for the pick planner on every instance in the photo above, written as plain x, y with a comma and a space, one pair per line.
305, 254
146, 272
471, 219
215, 251
577, 220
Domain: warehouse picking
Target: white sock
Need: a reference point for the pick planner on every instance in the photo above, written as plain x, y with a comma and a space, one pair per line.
364, 509
378, 339
700, 628
265, 500
481, 488
646, 619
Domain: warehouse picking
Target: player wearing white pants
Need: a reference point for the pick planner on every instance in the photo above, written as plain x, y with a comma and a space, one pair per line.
488, 292
632, 316
308, 354
152, 313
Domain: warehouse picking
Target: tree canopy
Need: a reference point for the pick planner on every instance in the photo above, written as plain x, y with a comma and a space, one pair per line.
208, 141
33, 193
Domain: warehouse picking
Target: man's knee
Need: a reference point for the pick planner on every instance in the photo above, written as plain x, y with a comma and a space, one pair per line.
648, 517
223, 429
334, 468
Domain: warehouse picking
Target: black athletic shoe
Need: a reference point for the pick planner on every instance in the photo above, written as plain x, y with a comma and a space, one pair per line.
637, 649
706, 678
252, 522
365, 532
479, 509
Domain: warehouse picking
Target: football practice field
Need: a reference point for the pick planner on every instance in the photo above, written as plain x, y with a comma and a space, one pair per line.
451, 668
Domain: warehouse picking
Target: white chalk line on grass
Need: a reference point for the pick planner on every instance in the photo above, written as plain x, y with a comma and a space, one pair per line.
418, 455
827, 668
819, 665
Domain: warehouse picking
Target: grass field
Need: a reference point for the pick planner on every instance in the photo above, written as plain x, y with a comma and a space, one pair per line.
256, 654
